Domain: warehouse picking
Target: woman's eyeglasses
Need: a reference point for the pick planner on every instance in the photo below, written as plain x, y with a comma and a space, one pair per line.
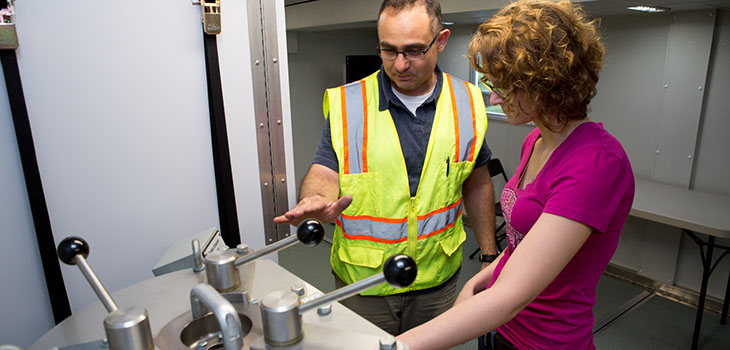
491, 87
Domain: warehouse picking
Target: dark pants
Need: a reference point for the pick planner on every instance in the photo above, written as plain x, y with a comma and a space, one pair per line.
398, 313
494, 341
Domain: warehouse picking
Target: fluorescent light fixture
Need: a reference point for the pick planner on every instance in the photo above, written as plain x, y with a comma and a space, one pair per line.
448, 23
651, 9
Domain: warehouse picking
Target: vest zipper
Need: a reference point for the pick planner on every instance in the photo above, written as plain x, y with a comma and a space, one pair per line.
412, 229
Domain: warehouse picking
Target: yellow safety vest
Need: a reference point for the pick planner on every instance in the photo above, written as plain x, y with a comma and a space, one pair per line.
383, 218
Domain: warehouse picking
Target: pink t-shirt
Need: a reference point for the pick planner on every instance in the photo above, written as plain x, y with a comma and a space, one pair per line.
588, 178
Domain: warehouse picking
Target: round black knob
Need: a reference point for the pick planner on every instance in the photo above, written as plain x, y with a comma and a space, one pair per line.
310, 232
400, 270
70, 247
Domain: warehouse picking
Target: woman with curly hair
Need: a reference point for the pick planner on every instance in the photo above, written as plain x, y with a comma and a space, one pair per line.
570, 196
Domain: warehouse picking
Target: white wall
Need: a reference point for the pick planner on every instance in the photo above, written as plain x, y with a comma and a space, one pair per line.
120, 122
119, 112
24, 294
628, 103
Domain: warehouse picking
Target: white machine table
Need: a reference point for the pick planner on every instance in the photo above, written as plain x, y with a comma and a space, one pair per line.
693, 212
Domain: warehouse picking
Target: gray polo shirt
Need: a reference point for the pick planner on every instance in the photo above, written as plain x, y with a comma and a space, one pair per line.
414, 131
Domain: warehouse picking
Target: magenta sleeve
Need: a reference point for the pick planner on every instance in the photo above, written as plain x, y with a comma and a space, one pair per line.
591, 187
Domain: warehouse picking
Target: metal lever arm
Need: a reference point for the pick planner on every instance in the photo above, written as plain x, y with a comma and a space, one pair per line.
281, 311
343, 293
310, 232
284, 243
126, 328
399, 270
74, 251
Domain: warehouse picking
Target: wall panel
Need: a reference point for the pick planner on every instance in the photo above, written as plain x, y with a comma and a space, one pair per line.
119, 111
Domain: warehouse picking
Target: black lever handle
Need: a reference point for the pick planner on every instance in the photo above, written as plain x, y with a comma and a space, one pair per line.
70, 247
310, 232
400, 270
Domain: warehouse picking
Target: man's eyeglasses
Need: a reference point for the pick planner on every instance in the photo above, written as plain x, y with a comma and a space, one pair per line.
409, 55
491, 87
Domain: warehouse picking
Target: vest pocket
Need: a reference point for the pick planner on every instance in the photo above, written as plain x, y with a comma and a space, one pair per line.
440, 188
461, 171
366, 190
449, 244
370, 257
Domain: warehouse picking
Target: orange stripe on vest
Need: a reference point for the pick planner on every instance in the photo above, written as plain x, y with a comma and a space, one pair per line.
456, 118
421, 217
473, 123
344, 128
373, 218
365, 127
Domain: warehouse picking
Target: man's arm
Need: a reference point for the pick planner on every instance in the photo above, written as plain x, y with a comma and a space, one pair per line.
479, 204
317, 197
320, 181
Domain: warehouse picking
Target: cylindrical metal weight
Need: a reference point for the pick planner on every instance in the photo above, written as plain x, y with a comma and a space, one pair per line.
128, 328
221, 271
280, 317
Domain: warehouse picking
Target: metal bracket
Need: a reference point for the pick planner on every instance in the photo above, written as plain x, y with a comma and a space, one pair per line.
8, 35
210, 13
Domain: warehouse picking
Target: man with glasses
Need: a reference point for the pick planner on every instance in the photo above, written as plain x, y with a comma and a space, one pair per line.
401, 157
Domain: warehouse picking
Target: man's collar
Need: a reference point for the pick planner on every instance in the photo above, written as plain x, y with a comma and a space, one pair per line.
387, 96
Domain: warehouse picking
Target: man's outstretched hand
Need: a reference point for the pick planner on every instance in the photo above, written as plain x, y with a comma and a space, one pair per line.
317, 207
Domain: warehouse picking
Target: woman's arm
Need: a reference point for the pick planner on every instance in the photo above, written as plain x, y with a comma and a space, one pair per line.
479, 282
539, 258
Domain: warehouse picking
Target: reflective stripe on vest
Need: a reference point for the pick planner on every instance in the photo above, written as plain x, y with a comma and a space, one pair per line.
354, 99
385, 230
439, 221
464, 119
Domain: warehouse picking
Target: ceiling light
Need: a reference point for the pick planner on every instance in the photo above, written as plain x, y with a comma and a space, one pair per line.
447, 23
651, 9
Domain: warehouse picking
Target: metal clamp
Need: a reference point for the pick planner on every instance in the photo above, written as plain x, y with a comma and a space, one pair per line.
210, 13
197, 256
204, 298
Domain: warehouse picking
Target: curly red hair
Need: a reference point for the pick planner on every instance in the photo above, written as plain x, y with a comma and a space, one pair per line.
547, 52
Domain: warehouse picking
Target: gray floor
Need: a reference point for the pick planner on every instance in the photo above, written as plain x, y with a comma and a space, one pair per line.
655, 323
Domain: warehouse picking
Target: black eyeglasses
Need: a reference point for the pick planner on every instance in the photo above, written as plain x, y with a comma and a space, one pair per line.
491, 87
409, 55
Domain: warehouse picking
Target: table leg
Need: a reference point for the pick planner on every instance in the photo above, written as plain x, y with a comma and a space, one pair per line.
706, 265
726, 301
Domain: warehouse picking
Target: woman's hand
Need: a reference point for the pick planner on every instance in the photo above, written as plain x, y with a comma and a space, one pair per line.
466, 292
478, 283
